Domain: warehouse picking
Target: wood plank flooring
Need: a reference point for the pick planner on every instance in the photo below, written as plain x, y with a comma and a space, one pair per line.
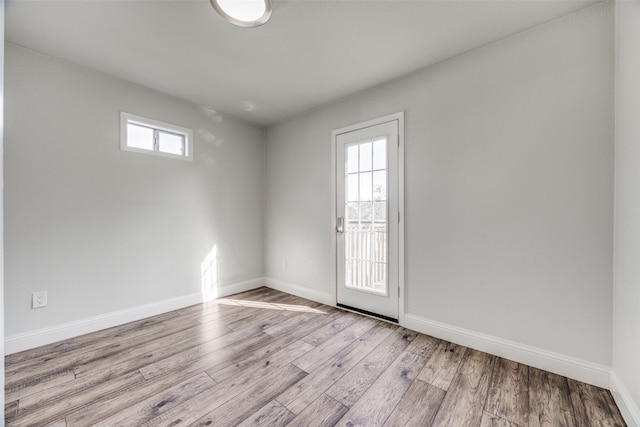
265, 358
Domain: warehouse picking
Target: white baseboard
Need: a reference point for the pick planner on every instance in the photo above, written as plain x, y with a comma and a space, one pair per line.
557, 363
581, 370
236, 288
321, 297
39, 337
628, 408
578, 369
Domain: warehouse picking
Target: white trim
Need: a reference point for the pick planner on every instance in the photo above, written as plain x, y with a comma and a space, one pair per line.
236, 288
373, 122
401, 265
578, 369
628, 408
32, 339
39, 337
321, 297
334, 222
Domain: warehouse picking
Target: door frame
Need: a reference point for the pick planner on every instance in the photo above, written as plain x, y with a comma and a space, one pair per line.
334, 248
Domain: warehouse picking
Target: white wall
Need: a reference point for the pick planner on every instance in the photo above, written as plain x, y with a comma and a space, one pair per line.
104, 230
626, 309
509, 188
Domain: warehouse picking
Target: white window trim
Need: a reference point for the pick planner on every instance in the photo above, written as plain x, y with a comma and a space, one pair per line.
126, 118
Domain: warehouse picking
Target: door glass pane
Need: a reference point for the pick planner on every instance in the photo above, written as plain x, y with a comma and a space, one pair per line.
352, 159
365, 186
352, 187
365, 156
349, 270
380, 212
352, 212
366, 212
366, 216
379, 154
380, 185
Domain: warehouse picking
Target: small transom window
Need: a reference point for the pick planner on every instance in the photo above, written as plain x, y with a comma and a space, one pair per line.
143, 135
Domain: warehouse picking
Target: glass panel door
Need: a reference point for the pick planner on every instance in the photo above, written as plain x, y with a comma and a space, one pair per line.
366, 217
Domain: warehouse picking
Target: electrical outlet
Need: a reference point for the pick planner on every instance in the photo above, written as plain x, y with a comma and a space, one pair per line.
39, 299
284, 264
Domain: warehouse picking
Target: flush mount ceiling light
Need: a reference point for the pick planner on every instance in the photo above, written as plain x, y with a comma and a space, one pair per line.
243, 13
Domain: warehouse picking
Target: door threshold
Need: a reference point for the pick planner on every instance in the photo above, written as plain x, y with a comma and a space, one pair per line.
368, 313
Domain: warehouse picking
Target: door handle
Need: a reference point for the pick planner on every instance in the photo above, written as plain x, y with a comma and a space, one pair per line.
340, 225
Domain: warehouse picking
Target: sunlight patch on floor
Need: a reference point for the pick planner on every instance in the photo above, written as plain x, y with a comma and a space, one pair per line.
270, 305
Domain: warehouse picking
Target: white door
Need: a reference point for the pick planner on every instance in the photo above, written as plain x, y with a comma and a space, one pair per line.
367, 219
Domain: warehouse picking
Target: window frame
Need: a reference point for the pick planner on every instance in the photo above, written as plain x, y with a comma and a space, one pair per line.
157, 126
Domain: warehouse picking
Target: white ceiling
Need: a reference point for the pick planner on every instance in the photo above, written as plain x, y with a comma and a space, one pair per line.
309, 53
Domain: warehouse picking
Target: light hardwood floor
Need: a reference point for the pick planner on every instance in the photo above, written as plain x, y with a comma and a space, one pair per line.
265, 358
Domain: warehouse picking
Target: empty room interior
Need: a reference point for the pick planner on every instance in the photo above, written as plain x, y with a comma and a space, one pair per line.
353, 213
